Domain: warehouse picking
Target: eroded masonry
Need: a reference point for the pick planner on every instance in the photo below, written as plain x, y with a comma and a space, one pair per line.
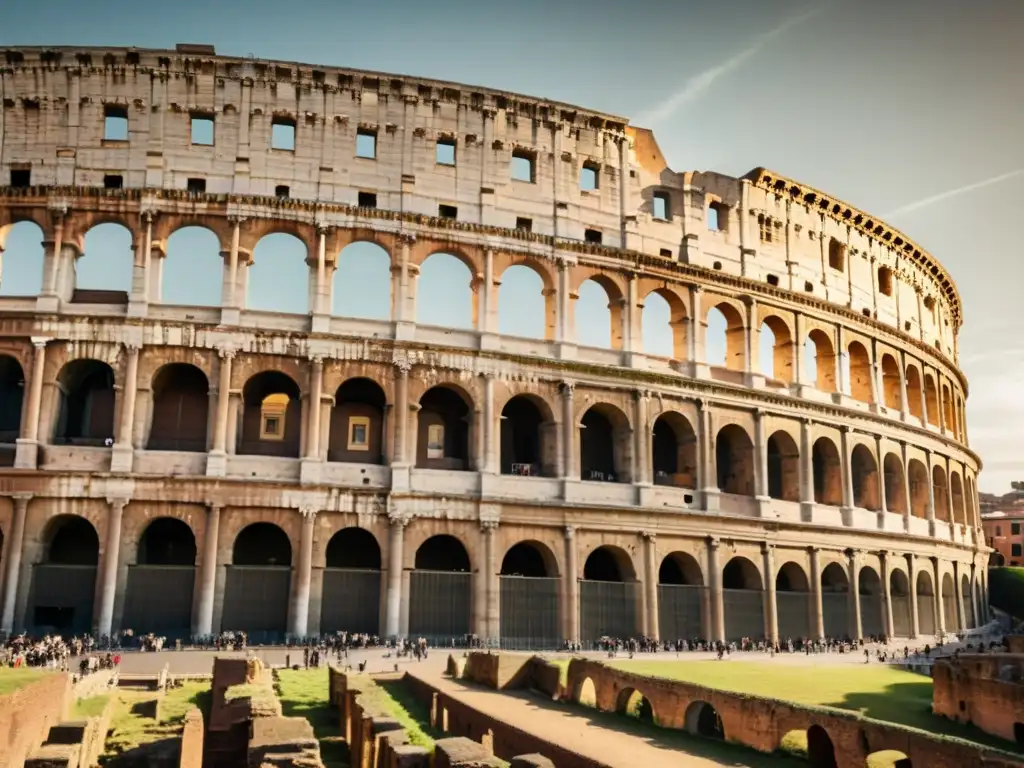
187, 469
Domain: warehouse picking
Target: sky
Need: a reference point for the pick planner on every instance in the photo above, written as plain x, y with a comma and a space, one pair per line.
911, 110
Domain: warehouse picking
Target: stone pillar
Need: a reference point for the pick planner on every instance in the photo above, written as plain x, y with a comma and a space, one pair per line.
303, 575
883, 501
931, 492
208, 582
491, 428
485, 308
27, 453
651, 584
111, 554
915, 623
760, 458
771, 609
571, 601
401, 447
961, 621
906, 486
847, 469
707, 465
889, 627
12, 566
715, 594
52, 259
940, 604
566, 334
856, 625
492, 594
806, 471
393, 611
817, 612
316, 391
569, 469
904, 400
641, 439
123, 452
216, 462
695, 337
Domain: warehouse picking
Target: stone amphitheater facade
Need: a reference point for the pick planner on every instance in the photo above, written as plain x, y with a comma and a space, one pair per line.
188, 470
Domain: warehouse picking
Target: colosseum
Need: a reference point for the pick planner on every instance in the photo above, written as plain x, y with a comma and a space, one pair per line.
793, 463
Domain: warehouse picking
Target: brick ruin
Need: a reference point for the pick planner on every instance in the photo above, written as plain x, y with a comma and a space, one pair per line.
986, 690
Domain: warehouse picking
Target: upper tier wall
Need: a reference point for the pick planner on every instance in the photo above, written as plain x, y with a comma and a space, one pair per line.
52, 125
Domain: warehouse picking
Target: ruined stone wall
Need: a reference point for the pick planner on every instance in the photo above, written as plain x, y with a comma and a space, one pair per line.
986, 690
192, 740
27, 714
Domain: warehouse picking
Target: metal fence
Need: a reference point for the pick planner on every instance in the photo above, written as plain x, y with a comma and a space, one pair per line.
969, 618
679, 611
744, 613
256, 601
949, 611
529, 615
62, 598
351, 601
871, 621
158, 599
901, 621
926, 614
608, 608
835, 610
440, 605
793, 609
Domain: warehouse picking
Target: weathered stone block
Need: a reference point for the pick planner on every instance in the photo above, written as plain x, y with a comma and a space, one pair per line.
408, 756
531, 761
460, 752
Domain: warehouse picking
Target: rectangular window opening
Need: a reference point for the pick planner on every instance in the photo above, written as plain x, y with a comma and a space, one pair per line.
1015, 550
447, 211
666, 253
592, 236
1015, 529
764, 227
367, 200
282, 190
21, 178
718, 217
196, 185
359, 433
113, 181
445, 152
524, 225
885, 281
366, 144
435, 441
836, 255
589, 177
773, 280
115, 123
661, 206
523, 163
282, 134
202, 130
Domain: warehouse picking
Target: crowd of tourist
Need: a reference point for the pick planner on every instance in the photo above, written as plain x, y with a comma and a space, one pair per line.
54, 652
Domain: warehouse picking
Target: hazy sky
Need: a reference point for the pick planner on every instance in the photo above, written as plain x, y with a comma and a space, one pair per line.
904, 108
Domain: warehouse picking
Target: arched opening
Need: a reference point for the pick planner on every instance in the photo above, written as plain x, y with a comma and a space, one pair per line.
193, 269
889, 758
776, 349
529, 597
891, 386
64, 583
820, 751
605, 445
895, 493
271, 416
442, 437
947, 409
925, 604
793, 602
180, 409
158, 596
914, 402
103, 273
21, 246
872, 618
939, 493
967, 601
899, 591
703, 720
835, 601
357, 423
865, 478
931, 400
443, 274
351, 594
674, 451
86, 414
663, 320
631, 703
525, 308
734, 461
278, 279
820, 361
586, 695
828, 472
361, 283
919, 489
949, 614
957, 492
681, 594
725, 338
12, 392
860, 372
783, 467
609, 594
742, 598
440, 591
972, 505
529, 439
598, 314
258, 583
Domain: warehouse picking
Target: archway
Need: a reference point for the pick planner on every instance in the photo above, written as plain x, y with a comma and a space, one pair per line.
701, 719
103, 272
820, 751
828, 472
891, 758
939, 493
23, 255
915, 402
835, 601
277, 279
609, 593
12, 390
597, 314
632, 703
892, 389
192, 272
899, 592
86, 415
258, 583
663, 321
64, 583
820, 361
895, 490
442, 435
528, 438
271, 416
440, 591
681, 594
860, 372
949, 614
783, 467
525, 307
931, 400
865, 478
351, 592
361, 283
725, 338
357, 423
734, 460
444, 274
742, 597
793, 602
158, 597
919, 489
605, 445
776, 349
872, 607
530, 588
674, 451
966, 599
926, 623
957, 492
180, 409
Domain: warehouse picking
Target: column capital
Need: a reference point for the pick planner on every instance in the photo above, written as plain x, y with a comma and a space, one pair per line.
22, 498
713, 542
813, 550
403, 365
308, 513
641, 395
649, 536
237, 219
214, 508
316, 359
131, 347
226, 353
570, 532
488, 526
39, 342
147, 215
397, 519
697, 288
323, 228
405, 238
117, 502
567, 388
767, 548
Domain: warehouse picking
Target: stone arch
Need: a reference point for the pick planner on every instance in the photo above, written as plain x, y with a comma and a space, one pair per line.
860, 372
702, 719
939, 488
668, 340
12, 392
64, 582
820, 751
443, 428
925, 590
681, 596
278, 279
166, 541
357, 422
948, 420
609, 595
258, 583
351, 582
742, 590
776, 357
529, 438
86, 410
21, 247
783, 466
161, 582
820, 361
589, 317
449, 274
972, 504
869, 586
674, 451
892, 384
605, 444
585, 694
889, 757
828, 472
793, 605
734, 460
931, 399
609, 563
919, 485
680, 569
180, 412
529, 594
261, 544
531, 559
967, 600
957, 492
835, 592
949, 599
527, 301
915, 403
353, 547
103, 272
192, 269
440, 590
632, 703
361, 282
899, 590
271, 416
725, 337
895, 488
864, 469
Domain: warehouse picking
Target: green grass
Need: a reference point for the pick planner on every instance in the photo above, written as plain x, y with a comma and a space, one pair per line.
414, 716
90, 707
129, 730
13, 679
304, 693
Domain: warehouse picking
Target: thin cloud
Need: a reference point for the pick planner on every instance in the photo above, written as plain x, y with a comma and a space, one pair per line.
953, 193
697, 85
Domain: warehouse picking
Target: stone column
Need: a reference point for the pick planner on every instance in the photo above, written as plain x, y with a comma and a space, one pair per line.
806, 471
571, 601
707, 465
817, 611
904, 400
484, 320
231, 286
492, 595
771, 609
856, 625
216, 462
931, 492
760, 458
393, 611
491, 428
28, 446
960, 614
715, 594
401, 447
906, 486
915, 621
564, 312
847, 469
12, 568
695, 337
569, 469
940, 604
208, 583
316, 391
122, 454
52, 260
641, 439
889, 628
880, 460
303, 575
651, 584
111, 553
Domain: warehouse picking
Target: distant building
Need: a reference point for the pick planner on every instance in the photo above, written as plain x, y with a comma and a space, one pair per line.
1002, 520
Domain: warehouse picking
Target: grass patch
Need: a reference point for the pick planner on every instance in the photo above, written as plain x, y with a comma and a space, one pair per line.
12, 679
90, 707
129, 730
304, 693
398, 701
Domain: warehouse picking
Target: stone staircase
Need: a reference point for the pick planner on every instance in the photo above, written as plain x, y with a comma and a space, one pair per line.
70, 744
